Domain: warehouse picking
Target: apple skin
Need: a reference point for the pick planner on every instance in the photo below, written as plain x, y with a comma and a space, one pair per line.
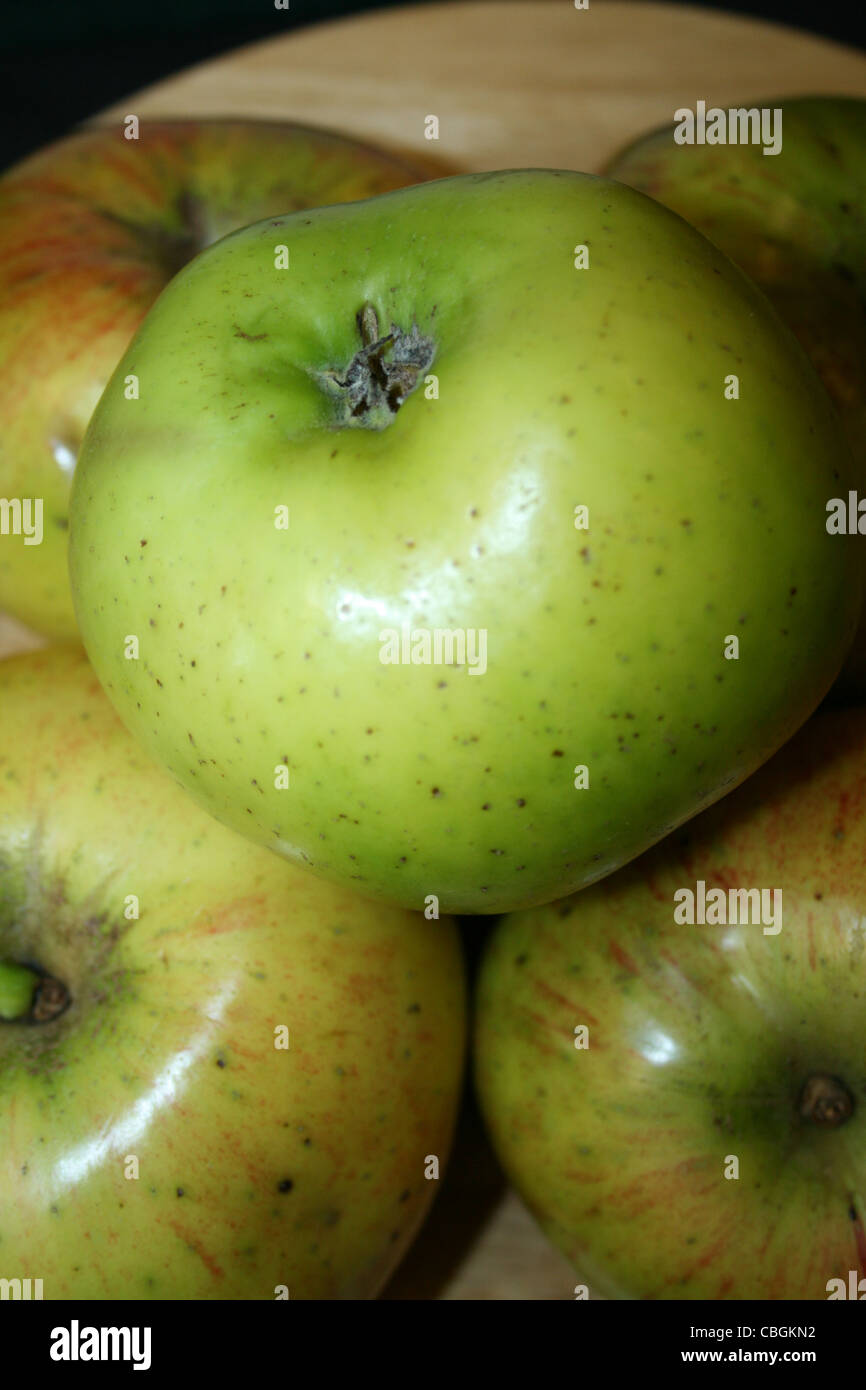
701, 1039
557, 387
91, 229
796, 224
167, 1049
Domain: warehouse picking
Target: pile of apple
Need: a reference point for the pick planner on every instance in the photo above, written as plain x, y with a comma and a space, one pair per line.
435, 549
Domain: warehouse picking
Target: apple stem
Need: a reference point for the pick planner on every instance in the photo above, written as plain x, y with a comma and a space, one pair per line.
826, 1101
380, 376
27, 996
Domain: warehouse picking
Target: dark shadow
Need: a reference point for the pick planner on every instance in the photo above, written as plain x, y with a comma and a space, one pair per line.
473, 1184
472, 1187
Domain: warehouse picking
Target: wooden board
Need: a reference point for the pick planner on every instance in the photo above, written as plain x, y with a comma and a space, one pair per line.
513, 86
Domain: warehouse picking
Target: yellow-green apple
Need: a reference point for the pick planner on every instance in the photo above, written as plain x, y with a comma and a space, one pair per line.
671, 1063
795, 221
91, 229
465, 540
219, 1077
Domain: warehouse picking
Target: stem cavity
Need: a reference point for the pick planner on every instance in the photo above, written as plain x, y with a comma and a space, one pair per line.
825, 1101
28, 996
384, 371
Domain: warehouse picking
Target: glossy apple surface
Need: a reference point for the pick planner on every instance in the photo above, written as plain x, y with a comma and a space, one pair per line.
795, 222
256, 1167
536, 388
91, 229
705, 1042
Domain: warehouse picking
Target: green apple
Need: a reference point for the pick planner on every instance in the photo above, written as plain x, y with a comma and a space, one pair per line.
796, 223
219, 1077
91, 229
397, 516
738, 1037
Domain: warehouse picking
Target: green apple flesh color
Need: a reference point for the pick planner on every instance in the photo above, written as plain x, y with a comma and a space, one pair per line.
234, 1082
704, 1044
242, 645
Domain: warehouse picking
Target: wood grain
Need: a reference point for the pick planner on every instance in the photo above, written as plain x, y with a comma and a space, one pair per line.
512, 85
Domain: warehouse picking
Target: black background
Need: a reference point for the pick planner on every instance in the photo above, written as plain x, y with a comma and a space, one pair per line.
64, 60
